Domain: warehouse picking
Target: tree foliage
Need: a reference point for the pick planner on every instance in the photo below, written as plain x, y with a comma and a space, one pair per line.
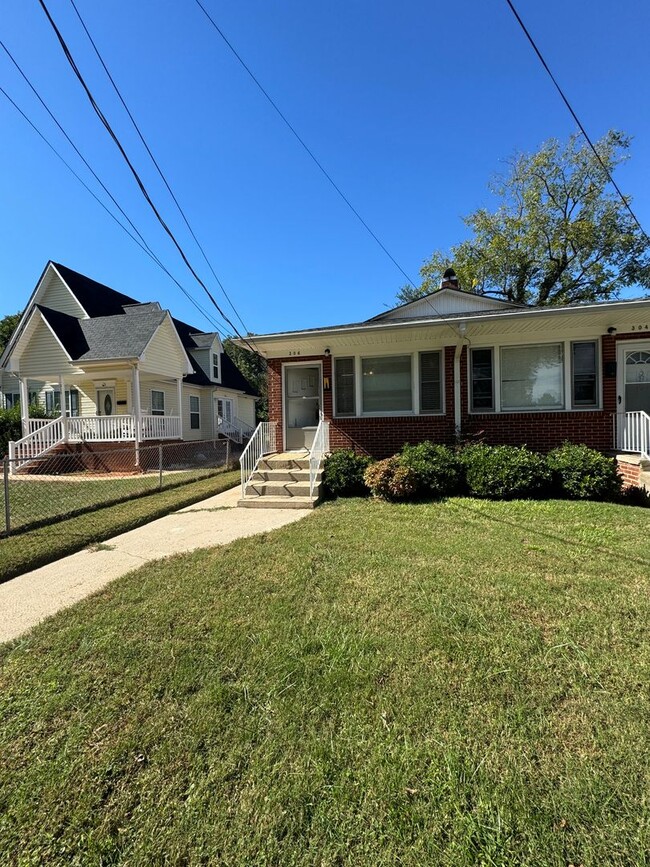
254, 368
559, 235
8, 325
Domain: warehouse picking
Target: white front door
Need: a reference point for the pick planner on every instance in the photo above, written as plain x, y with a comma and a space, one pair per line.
634, 376
302, 405
105, 401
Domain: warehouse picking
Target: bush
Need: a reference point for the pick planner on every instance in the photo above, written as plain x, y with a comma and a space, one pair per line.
635, 495
390, 480
504, 472
11, 427
343, 474
581, 473
436, 467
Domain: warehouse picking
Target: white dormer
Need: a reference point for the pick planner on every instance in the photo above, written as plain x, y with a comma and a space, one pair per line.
207, 354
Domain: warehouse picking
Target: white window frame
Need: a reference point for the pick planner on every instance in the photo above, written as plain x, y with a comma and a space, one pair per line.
195, 412
496, 348
14, 397
470, 397
158, 412
591, 406
216, 355
415, 386
354, 386
441, 354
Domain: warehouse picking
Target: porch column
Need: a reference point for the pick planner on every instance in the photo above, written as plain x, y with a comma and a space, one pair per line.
179, 387
24, 405
64, 408
137, 413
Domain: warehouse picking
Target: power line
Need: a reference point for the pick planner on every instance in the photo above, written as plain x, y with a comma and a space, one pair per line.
155, 162
302, 142
576, 119
141, 243
135, 174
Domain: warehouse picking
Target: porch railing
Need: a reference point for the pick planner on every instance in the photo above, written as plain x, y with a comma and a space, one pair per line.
161, 427
34, 424
263, 442
228, 429
246, 429
633, 433
101, 428
41, 440
319, 448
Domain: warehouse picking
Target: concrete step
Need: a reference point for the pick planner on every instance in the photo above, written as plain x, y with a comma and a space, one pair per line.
276, 462
278, 503
644, 480
295, 475
279, 489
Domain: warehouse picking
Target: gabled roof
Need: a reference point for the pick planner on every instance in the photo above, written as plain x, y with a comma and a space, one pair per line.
444, 301
95, 298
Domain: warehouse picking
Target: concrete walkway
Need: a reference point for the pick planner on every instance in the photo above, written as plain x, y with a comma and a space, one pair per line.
30, 598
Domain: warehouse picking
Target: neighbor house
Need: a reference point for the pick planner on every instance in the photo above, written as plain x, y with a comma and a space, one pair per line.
108, 368
454, 365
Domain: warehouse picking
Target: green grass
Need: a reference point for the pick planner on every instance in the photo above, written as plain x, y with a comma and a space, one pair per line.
33, 548
463, 683
40, 501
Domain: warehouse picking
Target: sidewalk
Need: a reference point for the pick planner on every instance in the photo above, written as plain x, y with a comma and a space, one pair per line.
30, 598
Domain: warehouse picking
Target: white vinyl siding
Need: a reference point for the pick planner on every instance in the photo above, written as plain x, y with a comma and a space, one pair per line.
45, 357
57, 296
164, 356
532, 377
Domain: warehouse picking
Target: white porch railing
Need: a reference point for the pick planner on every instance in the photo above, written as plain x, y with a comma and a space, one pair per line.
34, 424
633, 433
261, 443
161, 427
236, 430
101, 428
41, 440
319, 449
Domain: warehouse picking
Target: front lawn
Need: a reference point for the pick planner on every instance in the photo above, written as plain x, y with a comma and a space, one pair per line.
463, 683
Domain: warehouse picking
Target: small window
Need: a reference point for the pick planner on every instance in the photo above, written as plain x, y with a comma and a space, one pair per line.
12, 398
73, 402
584, 370
195, 412
386, 384
215, 365
157, 403
482, 380
430, 382
33, 398
344, 386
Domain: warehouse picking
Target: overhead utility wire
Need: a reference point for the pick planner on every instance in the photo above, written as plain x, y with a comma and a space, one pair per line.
141, 243
135, 174
576, 118
155, 162
302, 141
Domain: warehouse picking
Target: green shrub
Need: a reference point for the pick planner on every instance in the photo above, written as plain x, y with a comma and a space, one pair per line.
436, 467
504, 472
11, 427
581, 473
635, 495
390, 480
343, 474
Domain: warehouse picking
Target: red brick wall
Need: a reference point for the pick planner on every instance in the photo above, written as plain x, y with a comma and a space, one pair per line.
541, 431
630, 472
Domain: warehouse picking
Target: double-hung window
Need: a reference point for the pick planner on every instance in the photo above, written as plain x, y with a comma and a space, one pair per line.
215, 366
344, 387
532, 377
195, 412
386, 384
52, 401
482, 380
430, 382
12, 398
157, 402
584, 374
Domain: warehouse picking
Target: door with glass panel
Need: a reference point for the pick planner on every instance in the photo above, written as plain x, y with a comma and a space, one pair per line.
302, 405
105, 401
633, 391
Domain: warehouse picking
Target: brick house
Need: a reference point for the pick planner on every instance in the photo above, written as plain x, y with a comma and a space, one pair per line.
457, 365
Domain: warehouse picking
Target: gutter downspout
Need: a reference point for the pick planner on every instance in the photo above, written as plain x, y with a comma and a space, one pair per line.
463, 341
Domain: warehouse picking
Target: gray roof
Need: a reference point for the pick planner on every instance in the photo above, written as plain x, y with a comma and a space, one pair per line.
120, 336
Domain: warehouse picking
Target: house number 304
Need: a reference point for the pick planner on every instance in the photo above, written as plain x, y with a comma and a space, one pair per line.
640, 328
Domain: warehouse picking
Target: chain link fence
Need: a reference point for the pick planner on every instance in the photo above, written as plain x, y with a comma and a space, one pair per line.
60, 485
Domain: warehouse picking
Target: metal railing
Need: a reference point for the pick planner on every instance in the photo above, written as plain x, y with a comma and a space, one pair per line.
246, 429
319, 449
41, 440
228, 429
263, 442
633, 433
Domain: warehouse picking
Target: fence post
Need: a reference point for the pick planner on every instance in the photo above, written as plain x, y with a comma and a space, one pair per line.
160, 465
227, 454
5, 475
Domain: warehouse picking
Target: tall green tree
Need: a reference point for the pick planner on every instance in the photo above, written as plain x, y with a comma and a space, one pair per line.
560, 233
8, 325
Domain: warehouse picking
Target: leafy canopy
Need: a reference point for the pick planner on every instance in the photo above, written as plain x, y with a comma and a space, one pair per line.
559, 235
8, 325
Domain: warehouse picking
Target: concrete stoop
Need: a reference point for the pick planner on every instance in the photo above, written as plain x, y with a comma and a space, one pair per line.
281, 481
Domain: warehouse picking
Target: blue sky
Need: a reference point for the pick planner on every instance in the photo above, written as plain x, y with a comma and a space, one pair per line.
411, 106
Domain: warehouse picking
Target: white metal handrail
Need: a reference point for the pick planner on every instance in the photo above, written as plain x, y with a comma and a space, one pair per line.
319, 448
263, 442
36, 443
633, 433
228, 429
245, 428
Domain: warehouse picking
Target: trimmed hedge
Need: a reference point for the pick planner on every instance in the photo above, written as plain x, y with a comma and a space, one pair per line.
581, 473
390, 480
437, 468
505, 472
343, 474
